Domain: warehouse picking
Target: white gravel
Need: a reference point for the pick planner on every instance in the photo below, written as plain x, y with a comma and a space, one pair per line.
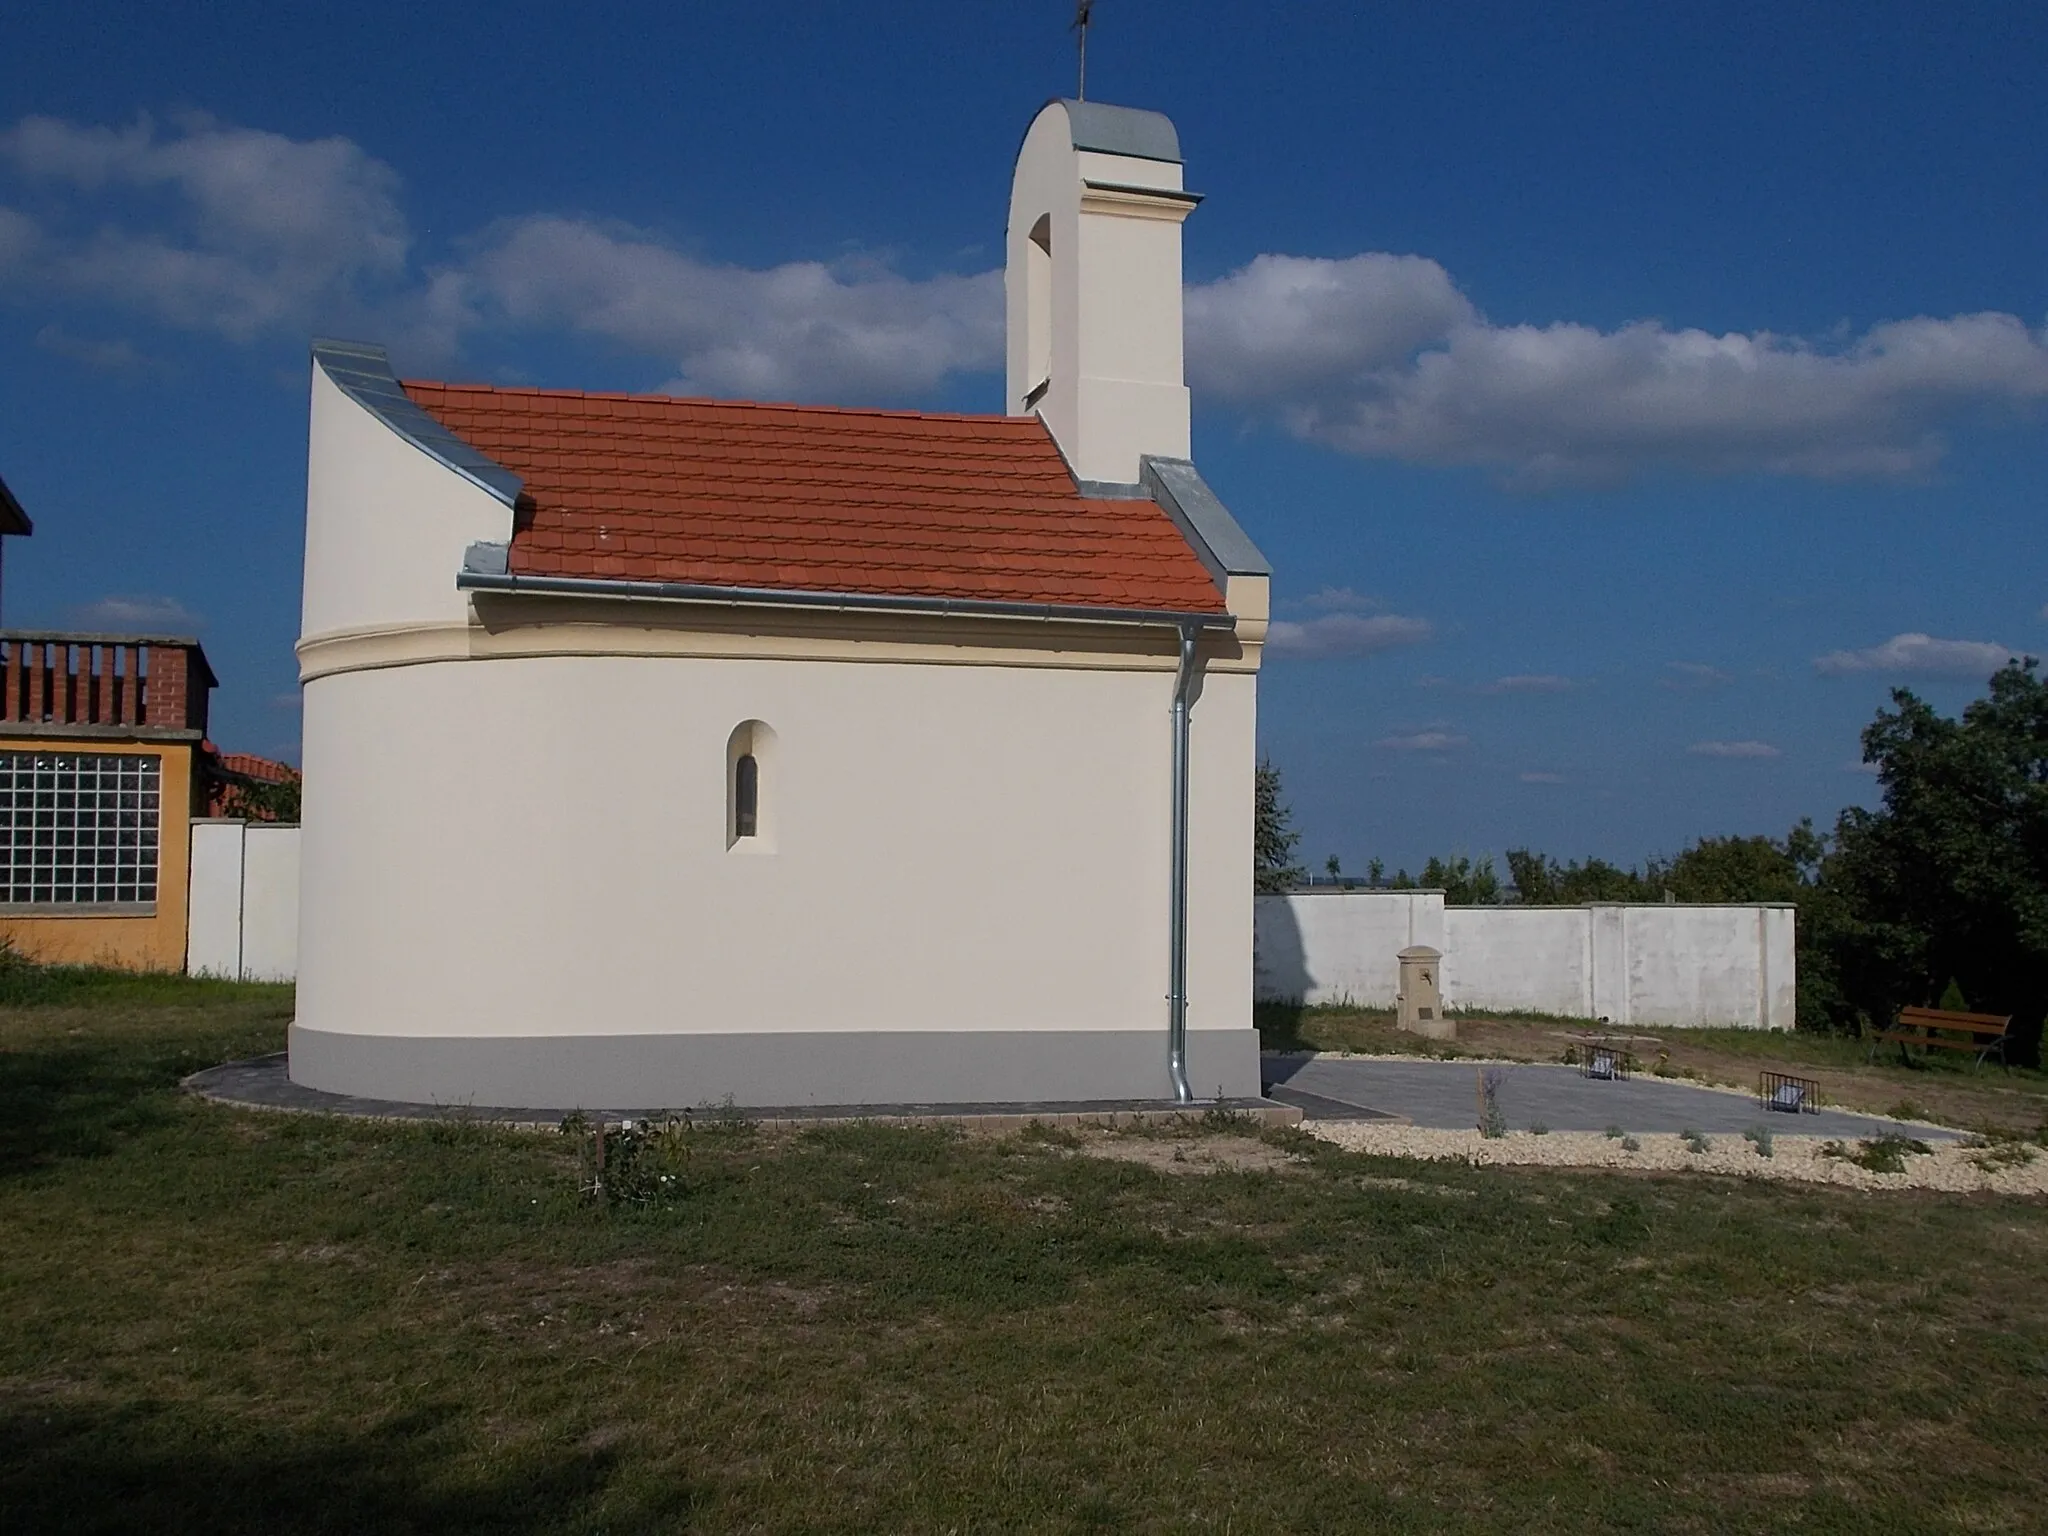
1948, 1166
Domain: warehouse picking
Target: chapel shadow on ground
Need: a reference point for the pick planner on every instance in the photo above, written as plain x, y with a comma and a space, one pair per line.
106, 1469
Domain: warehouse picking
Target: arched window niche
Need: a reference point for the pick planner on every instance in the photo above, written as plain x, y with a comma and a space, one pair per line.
750, 788
1038, 311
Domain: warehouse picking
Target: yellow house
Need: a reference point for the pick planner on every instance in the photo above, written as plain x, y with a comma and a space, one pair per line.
101, 740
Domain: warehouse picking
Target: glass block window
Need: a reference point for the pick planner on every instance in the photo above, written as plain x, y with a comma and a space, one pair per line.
79, 828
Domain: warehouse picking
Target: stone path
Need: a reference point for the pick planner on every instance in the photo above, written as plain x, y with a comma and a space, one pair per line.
1443, 1095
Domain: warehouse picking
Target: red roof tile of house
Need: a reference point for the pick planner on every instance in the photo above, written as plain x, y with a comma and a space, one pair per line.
263, 769
902, 504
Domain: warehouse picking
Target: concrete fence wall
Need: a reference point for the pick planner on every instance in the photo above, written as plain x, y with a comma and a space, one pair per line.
1668, 964
243, 918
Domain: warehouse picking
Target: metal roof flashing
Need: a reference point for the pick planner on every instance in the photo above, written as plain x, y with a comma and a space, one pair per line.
12, 518
1132, 131
362, 371
1202, 518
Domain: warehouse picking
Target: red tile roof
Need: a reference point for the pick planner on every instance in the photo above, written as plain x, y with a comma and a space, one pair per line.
646, 488
263, 769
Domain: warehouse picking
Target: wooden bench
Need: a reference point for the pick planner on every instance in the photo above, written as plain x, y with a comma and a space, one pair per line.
1936, 1029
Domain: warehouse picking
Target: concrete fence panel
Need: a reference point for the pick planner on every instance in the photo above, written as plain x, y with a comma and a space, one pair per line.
1719, 965
1507, 958
213, 916
242, 920
1339, 946
270, 904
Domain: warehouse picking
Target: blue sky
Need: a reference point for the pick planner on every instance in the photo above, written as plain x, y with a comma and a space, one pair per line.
1627, 396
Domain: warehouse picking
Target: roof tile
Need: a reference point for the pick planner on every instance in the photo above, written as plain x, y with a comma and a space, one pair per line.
899, 504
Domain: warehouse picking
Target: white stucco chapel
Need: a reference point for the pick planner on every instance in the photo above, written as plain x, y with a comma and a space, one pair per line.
661, 752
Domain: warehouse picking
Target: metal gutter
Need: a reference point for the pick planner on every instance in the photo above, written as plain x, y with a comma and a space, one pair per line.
470, 579
1177, 929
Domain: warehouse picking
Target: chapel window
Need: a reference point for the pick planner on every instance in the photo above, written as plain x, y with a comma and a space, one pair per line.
746, 796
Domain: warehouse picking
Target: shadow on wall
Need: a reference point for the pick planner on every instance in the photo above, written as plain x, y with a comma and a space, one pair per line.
1280, 971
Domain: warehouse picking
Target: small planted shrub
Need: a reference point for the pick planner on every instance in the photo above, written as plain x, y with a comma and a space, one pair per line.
1493, 1120
1538, 1128
1695, 1143
2000, 1155
1630, 1144
1759, 1136
1615, 1133
636, 1162
1880, 1154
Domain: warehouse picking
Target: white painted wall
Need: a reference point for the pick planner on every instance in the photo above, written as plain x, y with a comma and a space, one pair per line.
242, 921
386, 524
535, 846
1679, 965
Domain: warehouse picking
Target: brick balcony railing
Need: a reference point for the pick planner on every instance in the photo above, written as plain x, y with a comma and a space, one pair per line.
83, 684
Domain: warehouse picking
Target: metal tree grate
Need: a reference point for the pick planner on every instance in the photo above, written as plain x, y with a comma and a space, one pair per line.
1609, 1063
1790, 1095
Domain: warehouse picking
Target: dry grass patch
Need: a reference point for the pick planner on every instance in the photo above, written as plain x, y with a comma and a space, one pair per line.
1191, 1153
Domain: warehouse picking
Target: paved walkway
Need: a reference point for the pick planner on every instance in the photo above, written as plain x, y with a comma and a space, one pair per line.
1443, 1095
264, 1083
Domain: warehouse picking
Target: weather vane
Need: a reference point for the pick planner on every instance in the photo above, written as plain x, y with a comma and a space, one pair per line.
1083, 13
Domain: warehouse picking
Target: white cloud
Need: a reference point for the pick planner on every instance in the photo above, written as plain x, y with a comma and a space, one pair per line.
1542, 778
209, 227
801, 329
1381, 356
1424, 741
1344, 634
19, 238
1289, 328
1919, 653
118, 356
1733, 749
1341, 600
1693, 675
139, 614
242, 232
1529, 682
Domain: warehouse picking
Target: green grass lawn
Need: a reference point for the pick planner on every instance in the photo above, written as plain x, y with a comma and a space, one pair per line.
228, 1321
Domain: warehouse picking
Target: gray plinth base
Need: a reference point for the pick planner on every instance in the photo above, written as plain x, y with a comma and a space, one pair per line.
788, 1069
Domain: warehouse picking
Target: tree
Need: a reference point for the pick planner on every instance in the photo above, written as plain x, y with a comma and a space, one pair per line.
1464, 883
1948, 878
1273, 836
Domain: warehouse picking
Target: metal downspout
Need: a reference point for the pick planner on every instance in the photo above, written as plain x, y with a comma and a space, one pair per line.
1177, 984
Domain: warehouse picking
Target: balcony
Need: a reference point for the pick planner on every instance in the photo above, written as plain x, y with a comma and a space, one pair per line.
56, 684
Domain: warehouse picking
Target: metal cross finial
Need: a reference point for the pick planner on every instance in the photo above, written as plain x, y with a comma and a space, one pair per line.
1083, 14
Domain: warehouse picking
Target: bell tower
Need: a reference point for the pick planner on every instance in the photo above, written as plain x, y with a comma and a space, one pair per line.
1092, 282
